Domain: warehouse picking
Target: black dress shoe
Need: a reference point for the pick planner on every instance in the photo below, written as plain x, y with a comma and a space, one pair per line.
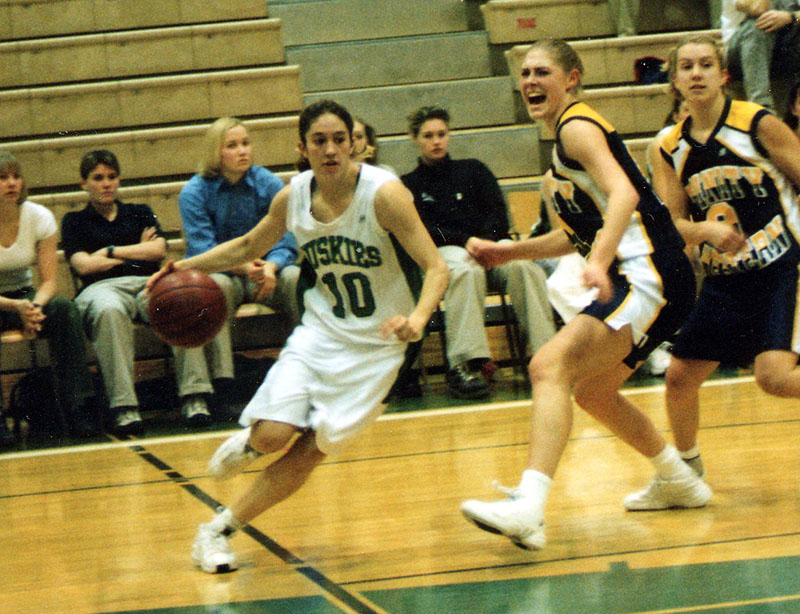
7, 438
406, 386
466, 384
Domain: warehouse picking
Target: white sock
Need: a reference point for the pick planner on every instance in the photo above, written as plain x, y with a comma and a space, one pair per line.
535, 484
690, 453
669, 464
225, 522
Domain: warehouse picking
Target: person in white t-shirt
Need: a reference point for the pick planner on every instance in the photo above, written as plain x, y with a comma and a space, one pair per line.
28, 237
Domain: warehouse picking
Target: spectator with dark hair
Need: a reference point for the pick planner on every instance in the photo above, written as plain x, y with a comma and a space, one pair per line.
113, 247
458, 200
365, 144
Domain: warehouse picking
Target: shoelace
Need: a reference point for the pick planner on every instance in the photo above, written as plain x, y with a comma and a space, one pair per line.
511, 493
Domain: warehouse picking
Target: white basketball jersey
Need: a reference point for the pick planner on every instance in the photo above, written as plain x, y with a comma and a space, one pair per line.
355, 275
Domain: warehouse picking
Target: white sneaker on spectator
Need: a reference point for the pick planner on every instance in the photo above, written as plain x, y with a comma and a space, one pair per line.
232, 456
211, 551
663, 494
128, 421
516, 517
194, 410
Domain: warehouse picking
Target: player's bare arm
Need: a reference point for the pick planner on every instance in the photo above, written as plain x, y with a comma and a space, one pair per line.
782, 145
585, 142
668, 187
394, 207
247, 248
490, 254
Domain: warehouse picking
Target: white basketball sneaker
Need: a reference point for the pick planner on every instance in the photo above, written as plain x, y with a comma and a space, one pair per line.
517, 517
232, 456
211, 552
662, 494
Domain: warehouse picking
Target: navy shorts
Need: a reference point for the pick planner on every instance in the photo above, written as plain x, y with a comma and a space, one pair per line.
737, 317
653, 294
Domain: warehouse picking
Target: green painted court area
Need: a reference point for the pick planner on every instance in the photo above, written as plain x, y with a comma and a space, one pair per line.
763, 586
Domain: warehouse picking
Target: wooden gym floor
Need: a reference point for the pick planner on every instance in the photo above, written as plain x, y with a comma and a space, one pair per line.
107, 527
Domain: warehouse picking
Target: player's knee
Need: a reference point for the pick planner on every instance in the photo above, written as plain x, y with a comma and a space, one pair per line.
542, 368
772, 383
677, 376
267, 436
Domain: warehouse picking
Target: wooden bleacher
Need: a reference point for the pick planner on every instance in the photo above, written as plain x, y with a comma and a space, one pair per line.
144, 62
143, 78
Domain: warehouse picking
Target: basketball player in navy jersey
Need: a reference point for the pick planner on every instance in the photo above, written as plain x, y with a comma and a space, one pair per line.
726, 174
645, 288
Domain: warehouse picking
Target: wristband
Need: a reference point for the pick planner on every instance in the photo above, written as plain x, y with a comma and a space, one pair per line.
37, 305
110, 251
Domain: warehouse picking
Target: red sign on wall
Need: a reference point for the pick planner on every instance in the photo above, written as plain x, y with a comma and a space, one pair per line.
526, 23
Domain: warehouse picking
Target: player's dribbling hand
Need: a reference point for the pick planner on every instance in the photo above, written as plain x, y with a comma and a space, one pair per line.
401, 327
168, 267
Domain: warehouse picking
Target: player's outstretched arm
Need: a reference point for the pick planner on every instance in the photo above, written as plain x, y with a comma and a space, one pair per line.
247, 248
490, 254
395, 210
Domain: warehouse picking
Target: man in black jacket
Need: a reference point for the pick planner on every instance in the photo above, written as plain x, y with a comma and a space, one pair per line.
459, 199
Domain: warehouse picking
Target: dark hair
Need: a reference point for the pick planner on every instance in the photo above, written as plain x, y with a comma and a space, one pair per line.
99, 156
423, 114
9, 163
790, 118
372, 138
319, 108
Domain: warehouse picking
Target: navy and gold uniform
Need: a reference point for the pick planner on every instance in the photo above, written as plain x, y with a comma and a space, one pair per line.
748, 301
652, 277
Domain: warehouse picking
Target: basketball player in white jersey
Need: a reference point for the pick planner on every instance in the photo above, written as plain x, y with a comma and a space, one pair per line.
364, 249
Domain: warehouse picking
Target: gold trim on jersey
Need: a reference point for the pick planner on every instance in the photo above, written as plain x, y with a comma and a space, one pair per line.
581, 109
741, 115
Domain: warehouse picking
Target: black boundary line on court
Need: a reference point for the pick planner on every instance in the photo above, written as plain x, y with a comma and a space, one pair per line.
355, 602
580, 557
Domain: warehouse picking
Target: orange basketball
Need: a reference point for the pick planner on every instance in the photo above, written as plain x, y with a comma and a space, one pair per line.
187, 308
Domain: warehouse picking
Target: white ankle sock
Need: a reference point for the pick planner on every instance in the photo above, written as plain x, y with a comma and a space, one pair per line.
225, 522
535, 484
690, 453
669, 464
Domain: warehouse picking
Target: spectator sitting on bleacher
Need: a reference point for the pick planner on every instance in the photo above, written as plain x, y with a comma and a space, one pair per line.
113, 248
457, 200
28, 235
365, 145
763, 53
227, 198
624, 16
